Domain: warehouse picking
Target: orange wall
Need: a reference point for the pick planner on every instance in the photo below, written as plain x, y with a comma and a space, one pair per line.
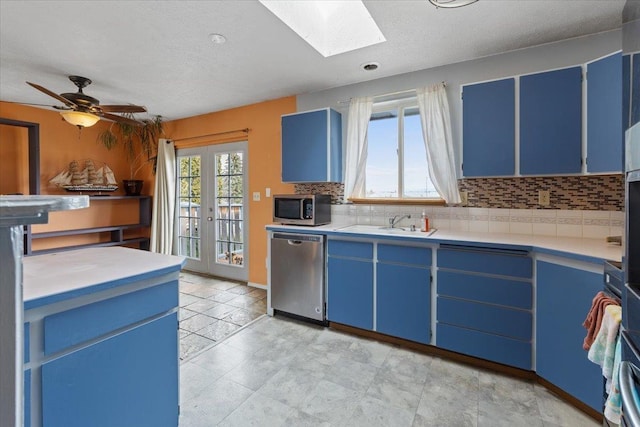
263, 120
60, 143
14, 158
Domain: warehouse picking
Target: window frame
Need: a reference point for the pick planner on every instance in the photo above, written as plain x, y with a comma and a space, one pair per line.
400, 105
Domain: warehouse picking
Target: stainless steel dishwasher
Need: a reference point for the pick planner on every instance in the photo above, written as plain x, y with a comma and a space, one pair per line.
297, 274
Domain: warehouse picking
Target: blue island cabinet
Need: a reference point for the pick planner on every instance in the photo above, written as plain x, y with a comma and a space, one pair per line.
103, 347
312, 146
350, 283
564, 295
403, 292
484, 304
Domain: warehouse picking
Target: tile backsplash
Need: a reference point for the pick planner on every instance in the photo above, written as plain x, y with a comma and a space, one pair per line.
584, 192
590, 206
547, 222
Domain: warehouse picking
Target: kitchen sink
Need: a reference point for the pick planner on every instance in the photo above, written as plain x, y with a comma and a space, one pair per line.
385, 230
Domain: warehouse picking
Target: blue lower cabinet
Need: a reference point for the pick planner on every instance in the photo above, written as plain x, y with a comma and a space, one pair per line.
495, 348
564, 296
350, 292
403, 301
130, 379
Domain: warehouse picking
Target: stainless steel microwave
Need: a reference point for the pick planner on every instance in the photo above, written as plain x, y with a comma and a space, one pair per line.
302, 209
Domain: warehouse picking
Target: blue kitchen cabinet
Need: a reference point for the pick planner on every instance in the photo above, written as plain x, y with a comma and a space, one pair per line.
403, 292
604, 115
101, 382
563, 298
312, 146
350, 283
488, 126
551, 122
484, 304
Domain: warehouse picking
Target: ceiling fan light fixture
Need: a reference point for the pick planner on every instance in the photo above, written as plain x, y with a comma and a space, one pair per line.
80, 118
451, 4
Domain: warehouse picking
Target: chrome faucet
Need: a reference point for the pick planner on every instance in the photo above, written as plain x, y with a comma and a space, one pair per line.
396, 219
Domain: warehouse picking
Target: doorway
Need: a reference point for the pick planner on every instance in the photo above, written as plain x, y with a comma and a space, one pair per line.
212, 231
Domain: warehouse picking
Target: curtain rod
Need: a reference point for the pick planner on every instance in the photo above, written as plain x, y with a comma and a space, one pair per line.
245, 130
400, 92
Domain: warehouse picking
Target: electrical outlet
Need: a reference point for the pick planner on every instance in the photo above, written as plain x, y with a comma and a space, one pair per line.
543, 198
464, 197
256, 196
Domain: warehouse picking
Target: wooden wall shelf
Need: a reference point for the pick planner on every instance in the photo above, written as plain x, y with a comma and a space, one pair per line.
116, 232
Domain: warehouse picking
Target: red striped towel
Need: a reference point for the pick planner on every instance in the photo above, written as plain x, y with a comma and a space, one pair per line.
594, 318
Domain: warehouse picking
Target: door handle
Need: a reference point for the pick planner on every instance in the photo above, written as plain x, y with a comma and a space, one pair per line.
294, 242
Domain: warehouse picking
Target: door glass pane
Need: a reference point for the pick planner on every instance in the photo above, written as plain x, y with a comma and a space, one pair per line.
229, 200
189, 214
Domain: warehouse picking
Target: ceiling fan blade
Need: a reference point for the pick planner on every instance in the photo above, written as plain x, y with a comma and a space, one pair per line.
52, 94
123, 108
57, 107
121, 119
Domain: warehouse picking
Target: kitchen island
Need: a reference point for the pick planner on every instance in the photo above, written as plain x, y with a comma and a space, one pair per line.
101, 338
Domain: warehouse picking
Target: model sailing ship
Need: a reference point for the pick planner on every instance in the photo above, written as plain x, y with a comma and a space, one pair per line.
87, 179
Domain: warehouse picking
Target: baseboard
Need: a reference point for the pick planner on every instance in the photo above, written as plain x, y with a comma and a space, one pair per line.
257, 285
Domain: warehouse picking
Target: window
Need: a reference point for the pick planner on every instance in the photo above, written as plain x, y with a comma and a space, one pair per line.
396, 158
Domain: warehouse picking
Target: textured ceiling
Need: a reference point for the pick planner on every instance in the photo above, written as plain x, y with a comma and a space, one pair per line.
158, 53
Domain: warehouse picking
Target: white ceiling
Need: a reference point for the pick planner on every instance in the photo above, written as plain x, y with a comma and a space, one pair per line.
158, 53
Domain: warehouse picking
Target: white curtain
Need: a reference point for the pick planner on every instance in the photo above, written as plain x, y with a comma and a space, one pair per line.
164, 201
436, 131
356, 150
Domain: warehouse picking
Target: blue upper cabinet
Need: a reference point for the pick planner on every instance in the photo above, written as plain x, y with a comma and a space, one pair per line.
488, 127
551, 122
604, 115
312, 146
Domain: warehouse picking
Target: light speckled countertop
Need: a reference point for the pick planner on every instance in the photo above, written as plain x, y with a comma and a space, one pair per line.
62, 275
580, 248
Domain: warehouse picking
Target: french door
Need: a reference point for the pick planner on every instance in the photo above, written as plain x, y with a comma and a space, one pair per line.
212, 231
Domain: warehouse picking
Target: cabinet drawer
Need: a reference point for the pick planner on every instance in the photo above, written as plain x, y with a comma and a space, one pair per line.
487, 318
500, 263
492, 290
75, 326
486, 346
420, 257
348, 249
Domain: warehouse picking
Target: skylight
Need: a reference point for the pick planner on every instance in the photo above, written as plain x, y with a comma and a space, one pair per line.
330, 26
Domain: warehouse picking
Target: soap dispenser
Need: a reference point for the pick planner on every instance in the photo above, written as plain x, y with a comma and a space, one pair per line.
424, 224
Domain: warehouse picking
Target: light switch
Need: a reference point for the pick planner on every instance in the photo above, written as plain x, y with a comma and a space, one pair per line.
256, 196
267, 192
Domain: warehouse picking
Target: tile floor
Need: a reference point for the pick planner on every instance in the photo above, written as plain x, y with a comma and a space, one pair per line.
275, 371
211, 309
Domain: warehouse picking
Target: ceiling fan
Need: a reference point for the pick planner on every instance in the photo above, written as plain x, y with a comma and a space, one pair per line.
83, 110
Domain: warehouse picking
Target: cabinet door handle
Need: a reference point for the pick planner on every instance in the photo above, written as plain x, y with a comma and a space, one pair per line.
294, 242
